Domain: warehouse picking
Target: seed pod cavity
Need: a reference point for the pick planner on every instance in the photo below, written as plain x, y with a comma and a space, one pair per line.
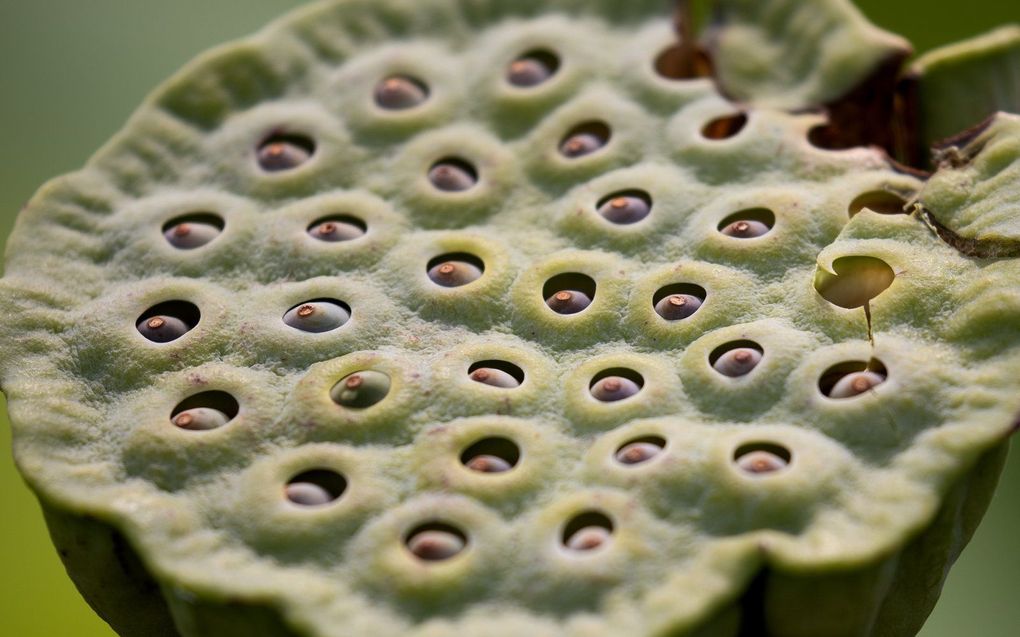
337, 229
491, 455
316, 487
678, 301
495, 373
612, 385
587, 531
532, 68
361, 389
192, 231
205, 411
453, 175
436, 542
852, 378
569, 293
625, 207
762, 458
320, 315
585, 139
168, 321
736, 359
400, 92
640, 450
455, 270
282, 152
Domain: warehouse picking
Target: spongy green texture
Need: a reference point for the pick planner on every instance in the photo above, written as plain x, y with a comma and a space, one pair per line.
173, 531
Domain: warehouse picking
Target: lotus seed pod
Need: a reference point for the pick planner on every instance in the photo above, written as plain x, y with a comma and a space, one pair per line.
494, 377
188, 235
434, 545
361, 389
855, 383
451, 274
162, 329
625, 208
201, 419
400, 93
676, 307
317, 316
613, 388
335, 231
737, 362
576, 187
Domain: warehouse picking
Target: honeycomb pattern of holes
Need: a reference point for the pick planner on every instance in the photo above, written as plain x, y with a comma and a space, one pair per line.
587, 531
337, 228
736, 358
361, 389
400, 92
455, 269
315, 487
851, 378
615, 384
284, 151
639, 450
855, 281
204, 411
491, 455
625, 207
880, 201
569, 293
193, 230
585, 139
532, 68
168, 321
749, 223
318, 315
724, 127
678, 301
452, 174
497, 373
435, 541
671, 64
757, 458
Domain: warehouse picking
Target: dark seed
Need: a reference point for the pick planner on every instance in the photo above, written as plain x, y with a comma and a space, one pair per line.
761, 461
201, 419
613, 388
637, 452
162, 329
581, 144
855, 383
191, 234
531, 70
284, 153
361, 389
494, 377
745, 229
677, 306
488, 464
333, 231
453, 274
316, 316
452, 177
399, 92
435, 545
588, 538
624, 209
307, 494
737, 362
568, 301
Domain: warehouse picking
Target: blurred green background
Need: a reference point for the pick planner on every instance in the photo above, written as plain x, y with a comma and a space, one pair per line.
71, 72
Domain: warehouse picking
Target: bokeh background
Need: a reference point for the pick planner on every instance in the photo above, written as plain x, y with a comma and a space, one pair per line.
71, 72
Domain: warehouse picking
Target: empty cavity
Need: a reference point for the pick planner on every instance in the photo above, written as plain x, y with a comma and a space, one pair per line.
748, 224
491, 455
628, 206
496, 373
452, 174
569, 293
532, 68
361, 389
856, 281
205, 411
281, 151
316, 487
318, 315
192, 231
585, 139
337, 228
851, 378
587, 531
455, 269
611, 385
435, 541
168, 321
880, 201
639, 450
400, 92
736, 358
678, 301
724, 127
678, 62
762, 457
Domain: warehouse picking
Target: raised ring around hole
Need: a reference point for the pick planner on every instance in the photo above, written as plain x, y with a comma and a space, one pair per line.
284, 151
724, 127
193, 230
585, 139
851, 378
639, 450
736, 358
204, 411
616, 383
748, 223
455, 269
587, 531
435, 541
453, 174
678, 301
496, 373
762, 457
168, 321
315, 487
491, 455
880, 201
569, 293
336, 228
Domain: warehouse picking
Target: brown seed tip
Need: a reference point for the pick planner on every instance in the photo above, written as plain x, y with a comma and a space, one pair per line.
276, 149
861, 384
327, 228
564, 296
743, 357
184, 420
305, 311
354, 382
612, 384
677, 300
619, 202
182, 230
155, 323
447, 268
480, 375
